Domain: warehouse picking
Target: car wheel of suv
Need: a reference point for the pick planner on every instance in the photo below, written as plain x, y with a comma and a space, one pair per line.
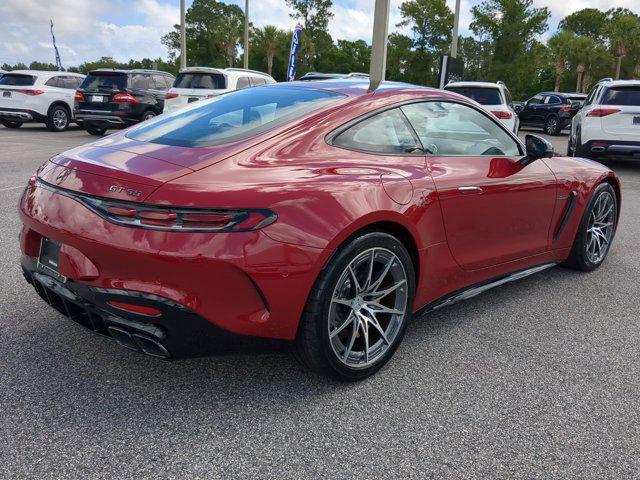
552, 126
95, 130
58, 119
148, 116
358, 310
596, 230
11, 124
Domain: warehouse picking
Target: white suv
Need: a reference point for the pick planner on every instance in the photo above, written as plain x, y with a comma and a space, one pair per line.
196, 83
35, 96
608, 124
495, 97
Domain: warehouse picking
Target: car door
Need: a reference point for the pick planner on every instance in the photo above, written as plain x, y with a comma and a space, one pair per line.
495, 209
531, 110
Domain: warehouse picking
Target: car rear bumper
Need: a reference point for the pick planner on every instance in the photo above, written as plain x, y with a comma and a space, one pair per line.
207, 287
609, 149
106, 119
20, 115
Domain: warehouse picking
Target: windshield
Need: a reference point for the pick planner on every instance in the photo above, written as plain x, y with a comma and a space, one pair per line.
105, 81
484, 96
622, 96
233, 116
17, 80
209, 81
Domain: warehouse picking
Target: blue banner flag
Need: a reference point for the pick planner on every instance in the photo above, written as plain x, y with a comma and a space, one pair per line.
58, 61
295, 46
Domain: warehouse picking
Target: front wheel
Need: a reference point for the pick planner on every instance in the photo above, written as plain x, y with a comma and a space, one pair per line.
11, 124
358, 310
596, 230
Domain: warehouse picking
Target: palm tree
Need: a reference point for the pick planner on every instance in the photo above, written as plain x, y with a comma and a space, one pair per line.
622, 33
269, 39
560, 48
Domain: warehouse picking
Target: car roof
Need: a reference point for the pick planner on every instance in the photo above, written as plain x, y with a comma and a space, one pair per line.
134, 70
225, 71
623, 83
45, 72
474, 84
565, 94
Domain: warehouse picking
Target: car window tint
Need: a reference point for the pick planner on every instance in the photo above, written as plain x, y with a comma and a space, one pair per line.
629, 96
234, 116
507, 96
140, 81
484, 96
54, 82
17, 80
209, 81
105, 81
257, 81
243, 82
538, 99
386, 132
446, 128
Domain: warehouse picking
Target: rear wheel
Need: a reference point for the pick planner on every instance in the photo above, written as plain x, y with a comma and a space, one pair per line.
148, 116
95, 130
552, 126
58, 119
11, 124
596, 230
358, 310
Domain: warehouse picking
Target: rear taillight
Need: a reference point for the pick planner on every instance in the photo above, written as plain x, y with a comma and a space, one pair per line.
79, 97
567, 108
179, 219
124, 98
171, 95
30, 92
602, 112
501, 114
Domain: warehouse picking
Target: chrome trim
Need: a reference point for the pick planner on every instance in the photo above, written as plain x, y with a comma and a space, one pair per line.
19, 115
623, 148
470, 189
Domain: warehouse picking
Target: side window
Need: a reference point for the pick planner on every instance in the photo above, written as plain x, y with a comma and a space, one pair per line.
593, 95
168, 81
140, 81
243, 82
386, 132
553, 100
507, 97
54, 82
537, 100
446, 128
257, 81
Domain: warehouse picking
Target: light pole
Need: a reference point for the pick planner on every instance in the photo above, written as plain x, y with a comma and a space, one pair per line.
183, 38
379, 44
454, 40
246, 34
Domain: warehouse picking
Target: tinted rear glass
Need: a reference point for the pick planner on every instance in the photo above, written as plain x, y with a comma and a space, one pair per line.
210, 81
622, 96
105, 81
17, 80
484, 96
233, 116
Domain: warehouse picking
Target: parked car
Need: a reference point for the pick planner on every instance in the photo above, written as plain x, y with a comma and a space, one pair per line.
608, 125
197, 83
313, 76
314, 213
110, 98
38, 96
551, 111
495, 97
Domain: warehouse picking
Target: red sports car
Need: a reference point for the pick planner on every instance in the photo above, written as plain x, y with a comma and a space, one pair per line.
318, 213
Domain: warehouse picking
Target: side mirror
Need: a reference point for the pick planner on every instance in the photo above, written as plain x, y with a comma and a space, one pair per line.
537, 147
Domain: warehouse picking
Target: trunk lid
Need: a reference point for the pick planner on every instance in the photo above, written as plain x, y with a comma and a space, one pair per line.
626, 122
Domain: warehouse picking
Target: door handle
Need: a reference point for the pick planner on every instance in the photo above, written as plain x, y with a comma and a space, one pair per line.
470, 189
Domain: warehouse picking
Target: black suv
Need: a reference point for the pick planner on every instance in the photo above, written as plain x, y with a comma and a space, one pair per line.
552, 111
119, 98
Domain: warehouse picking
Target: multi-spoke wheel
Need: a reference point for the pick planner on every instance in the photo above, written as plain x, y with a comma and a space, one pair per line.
58, 119
357, 313
596, 231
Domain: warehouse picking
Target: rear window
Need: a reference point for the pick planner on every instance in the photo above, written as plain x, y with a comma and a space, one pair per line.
17, 80
622, 96
105, 81
234, 116
484, 96
209, 81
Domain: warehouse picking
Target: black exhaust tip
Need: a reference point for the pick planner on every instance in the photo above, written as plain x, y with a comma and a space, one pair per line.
150, 346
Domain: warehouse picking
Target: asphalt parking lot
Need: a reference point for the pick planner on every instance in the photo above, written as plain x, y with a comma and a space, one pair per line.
536, 379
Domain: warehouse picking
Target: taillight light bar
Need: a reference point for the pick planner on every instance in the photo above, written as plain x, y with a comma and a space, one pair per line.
502, 115
124, 98
79, 97
30, 92
170, 95
602, 112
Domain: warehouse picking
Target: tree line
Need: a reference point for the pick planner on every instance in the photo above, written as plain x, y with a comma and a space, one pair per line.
505, 45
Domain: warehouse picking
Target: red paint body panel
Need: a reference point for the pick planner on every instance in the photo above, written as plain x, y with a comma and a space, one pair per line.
257, 283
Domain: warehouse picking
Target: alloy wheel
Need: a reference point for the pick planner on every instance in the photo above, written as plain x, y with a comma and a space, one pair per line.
368, 307
552, 125
60, 119
601, 227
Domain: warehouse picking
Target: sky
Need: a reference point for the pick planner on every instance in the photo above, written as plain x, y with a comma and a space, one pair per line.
124, 29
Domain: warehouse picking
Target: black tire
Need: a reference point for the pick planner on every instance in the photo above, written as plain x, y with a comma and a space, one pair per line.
570, 150
313, 346
98, 131
578, 258
11, 124
552, 125
149, 114
58, 118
